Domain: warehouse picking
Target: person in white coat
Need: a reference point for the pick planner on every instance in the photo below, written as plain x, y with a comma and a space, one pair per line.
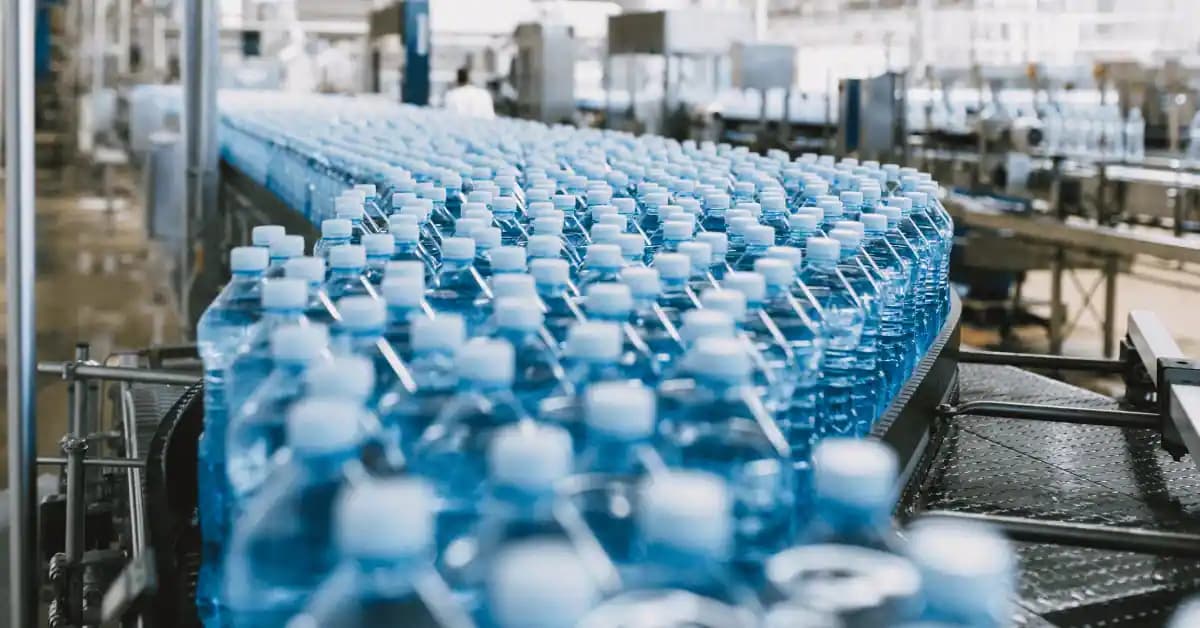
466, 99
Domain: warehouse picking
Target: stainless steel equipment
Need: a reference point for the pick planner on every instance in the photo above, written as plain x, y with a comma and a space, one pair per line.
545, 72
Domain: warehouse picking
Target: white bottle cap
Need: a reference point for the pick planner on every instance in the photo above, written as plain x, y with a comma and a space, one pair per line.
299, 343
465, 227
599, 211
347, 256
550, 271
604, 256
849, 240
445, 333
739, 225
875, 223
505, 205
816, 188
529, 456
597, 341
855, 471
284, 293
336, 228
831, 208
673, 265
605, 234
822, 248
316, 426
903, 202
349, 377
689, 510
852, 225
892, 214
419, 209
508, 259
486, 361
790, 254
721, 358
717, 240
731, 302
287, 247
717, 201
700, 254
477, 211
870, 191
919, 199
404, 291
378, 244
775, 272
774, 202
480, 195
486, 239
967, 570
248, 259
386, 518
458, 248
514, 285
542, 245
405, 232
348, 207
362, 313
852, 198
537, 209
540, 583
404, 268
599, 196
632, 245
753, 286
624, 409
266, 235
642, 281
677, 230
609, 300
309, 269
625, 206
705, 323
518, 313
620, 222
760, 235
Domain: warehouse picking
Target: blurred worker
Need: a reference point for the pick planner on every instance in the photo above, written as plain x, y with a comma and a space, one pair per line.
468, 100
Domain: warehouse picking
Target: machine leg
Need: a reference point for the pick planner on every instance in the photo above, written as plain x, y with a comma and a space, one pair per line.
1056, 301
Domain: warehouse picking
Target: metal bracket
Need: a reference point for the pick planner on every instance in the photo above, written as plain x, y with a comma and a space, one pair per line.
1177, 427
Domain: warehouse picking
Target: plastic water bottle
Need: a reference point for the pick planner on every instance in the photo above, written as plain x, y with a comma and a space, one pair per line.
334, 232
311, 270
736, 233
282, 249
404, 297
458, 288
867, 394
775, 216
406, 242
552, 278
361, 332
619, 448
854, 491
409, 411
894, 277
968, 573
719, 243
852, 204
283, 302
384, 532
265, 236
675, 294
923, 234
719, 425
511, 231
904, 247
603, 263
258, 431
538, 372
347, 265
379, 248
842, 325
1135, 136
758, 239
613, 303
653, 322
282, 546
539, 583
222, 327
451, 450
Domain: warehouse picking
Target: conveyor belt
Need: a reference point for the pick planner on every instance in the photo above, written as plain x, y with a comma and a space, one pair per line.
1075, 473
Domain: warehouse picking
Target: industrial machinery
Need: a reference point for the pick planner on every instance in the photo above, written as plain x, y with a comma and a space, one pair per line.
545, 72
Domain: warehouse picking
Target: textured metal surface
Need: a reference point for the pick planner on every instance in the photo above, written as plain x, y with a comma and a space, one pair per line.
1064, 472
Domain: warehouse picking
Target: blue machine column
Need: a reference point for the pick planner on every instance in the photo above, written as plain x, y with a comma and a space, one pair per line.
414, 87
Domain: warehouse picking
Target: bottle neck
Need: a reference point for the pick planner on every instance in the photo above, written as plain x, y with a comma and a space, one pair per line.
822, 264
345, 273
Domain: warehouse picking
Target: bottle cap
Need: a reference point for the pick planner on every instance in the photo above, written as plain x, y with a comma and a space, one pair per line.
700, 254
632, 245
486, 361
287, 247
508, 259
625, 206
530, 456
347, 256
642, 281
739, 226
550, 270
689, 510
336, 228
514, 285
919, 199
706, 323
378, 244
729, 301
404, 268
806, 223
775, 272
607, 256
851, 198
266, 235
299, 343
848, 239
677, 230
853, 225
855, 471
466, 227
719, 358
717, 240
968, 571
606, 234
349, 377
403, 231
609, 300
752, 286
760, 235
458, 248
348, 206
622, 409
405, 291
284, 293
673, 266
248, 259
816, 188
597, 341
445, 333
362, 313
791, 254
548, 225
774, 203
717, 201
822, 248
518, 313
309, 269
486, 239
477, 211
831, 208
539, 583
386, 518
870, 192
565, 202
480, 196
903, 202
599, 196
892, 214
322, 425
655, 199
750, 207
874, 223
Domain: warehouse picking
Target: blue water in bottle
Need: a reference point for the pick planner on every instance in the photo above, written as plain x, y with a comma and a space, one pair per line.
347, 267
868, 391
675, 295
458, 288
921, 292
407, 411
842, 323
894, 340
361, 332
719, 425
380, 248
283, 302
613, 303
655, 324
334, 232
907, 336
282, 546
552, 280
404, 297
222, 328
451, 450
854, 493
311, 270
538, 372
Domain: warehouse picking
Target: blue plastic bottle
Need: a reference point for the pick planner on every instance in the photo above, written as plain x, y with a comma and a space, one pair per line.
656, 324
868, 392
775, 216
719, 425
406, 411
842, 323
552, 279
719, 243
852, 204
907, 341
924, 284
591, 355
221, 329
674, 233
458, 288
282, 546
347, 268
613, 303
384, 532
854, 492
737, 237
968, 574
361, 332
379, 248
675, 294
538, 372
894, 270
282, 249
334, 232
404, 297
602, 265
758, 239
701, 257
450, 451
542, 583
311, 270
283, 302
